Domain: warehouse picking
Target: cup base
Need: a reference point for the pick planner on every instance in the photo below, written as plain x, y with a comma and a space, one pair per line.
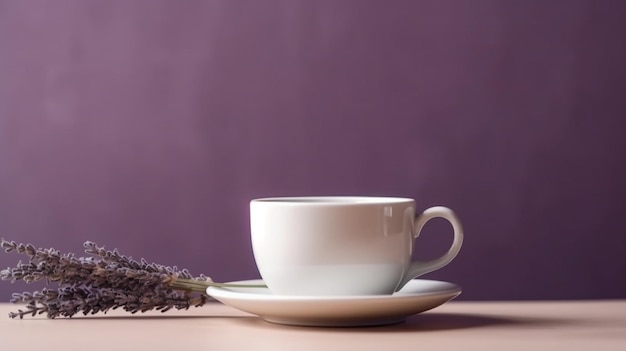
334, 280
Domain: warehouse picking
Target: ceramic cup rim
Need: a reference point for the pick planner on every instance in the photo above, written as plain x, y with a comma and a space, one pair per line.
331, 200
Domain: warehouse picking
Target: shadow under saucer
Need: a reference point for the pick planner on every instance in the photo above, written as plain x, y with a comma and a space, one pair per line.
424, 322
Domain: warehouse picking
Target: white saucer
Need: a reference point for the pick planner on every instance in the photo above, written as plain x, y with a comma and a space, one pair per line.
416, 296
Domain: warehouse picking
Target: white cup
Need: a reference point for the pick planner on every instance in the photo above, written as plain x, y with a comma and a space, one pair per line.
342, 245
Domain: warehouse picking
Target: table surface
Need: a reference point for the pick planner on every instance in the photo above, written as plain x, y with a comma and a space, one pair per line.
457, 325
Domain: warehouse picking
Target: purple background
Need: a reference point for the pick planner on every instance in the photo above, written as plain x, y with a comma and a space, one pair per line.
149, 125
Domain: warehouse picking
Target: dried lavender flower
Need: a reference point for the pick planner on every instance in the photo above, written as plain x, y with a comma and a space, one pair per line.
102, 281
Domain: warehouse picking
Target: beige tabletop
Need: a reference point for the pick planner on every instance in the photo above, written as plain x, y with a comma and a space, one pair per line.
564, 325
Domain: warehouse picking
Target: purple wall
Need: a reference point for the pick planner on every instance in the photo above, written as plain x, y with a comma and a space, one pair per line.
149, 125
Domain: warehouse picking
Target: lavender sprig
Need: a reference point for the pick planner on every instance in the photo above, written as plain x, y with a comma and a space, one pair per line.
102, 281
70, 300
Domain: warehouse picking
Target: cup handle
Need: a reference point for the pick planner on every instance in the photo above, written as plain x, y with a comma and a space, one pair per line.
417, 268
